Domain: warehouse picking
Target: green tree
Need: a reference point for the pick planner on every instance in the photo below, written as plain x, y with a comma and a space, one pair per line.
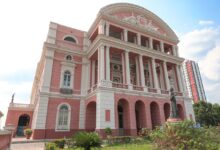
206, 113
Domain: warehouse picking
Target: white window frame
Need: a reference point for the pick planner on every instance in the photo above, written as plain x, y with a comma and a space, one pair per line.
68, 120
66, 83
72, 36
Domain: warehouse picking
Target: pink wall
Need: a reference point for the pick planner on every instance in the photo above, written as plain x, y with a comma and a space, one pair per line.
56, 72
5, 141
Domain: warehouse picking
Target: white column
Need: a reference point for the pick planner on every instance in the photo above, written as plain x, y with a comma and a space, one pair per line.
141, 70
161, 46
138, 39
107, 64
123, 67
150, 42
107, 28
101, 27
93, 72
101, 67
137, 71
150, 73
125, 35
166, 76
156, 85
127, 69
174, 50
178, 78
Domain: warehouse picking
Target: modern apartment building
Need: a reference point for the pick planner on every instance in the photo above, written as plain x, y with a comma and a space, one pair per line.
193, 81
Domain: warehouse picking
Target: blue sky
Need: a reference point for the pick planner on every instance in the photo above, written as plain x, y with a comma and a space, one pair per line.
24, 26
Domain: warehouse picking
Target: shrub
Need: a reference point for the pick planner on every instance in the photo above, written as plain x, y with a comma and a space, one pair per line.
60, 143
108, 131
119, 139
144, 132
87, 140
50, 146
28, 131
184, 136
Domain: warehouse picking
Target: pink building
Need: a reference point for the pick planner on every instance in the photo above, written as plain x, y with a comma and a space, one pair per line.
117, 75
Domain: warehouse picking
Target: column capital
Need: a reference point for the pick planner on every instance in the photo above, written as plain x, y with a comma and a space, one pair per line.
126, 51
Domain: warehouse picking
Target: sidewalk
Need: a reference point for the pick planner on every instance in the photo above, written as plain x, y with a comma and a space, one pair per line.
21, 143
28, 146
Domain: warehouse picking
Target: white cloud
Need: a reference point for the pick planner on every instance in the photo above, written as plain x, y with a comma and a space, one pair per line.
198, 41
202, 46
206, 22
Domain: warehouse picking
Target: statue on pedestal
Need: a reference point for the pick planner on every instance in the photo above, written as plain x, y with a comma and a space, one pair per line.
174, 109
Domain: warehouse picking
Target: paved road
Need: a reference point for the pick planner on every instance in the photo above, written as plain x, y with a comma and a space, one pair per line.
28, 146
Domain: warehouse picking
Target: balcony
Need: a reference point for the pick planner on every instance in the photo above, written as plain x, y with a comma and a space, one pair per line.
21, 106
138, 88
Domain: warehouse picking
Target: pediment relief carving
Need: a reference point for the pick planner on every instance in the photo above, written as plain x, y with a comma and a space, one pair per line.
141, 21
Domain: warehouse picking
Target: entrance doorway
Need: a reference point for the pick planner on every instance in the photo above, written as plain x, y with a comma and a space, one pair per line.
23, 123
123, 117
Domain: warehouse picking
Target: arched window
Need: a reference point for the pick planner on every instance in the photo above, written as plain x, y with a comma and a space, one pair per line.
68, 57
70, 39
66, 79
63, 117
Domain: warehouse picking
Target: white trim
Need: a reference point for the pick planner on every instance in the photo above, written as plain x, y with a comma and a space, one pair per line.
72, 36
57, 117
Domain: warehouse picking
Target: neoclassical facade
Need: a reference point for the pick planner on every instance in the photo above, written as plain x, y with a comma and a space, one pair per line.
117, 75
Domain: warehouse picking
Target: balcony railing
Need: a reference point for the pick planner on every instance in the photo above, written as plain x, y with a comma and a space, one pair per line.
179, 93
164, 92
119, 85
152, 90
19, 105
138, 88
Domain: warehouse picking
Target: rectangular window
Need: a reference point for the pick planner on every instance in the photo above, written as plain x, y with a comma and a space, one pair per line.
107, 115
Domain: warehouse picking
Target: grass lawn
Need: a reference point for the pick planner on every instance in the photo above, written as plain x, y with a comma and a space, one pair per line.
145, 146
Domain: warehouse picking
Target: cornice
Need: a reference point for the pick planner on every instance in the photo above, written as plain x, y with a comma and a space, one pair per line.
64, 49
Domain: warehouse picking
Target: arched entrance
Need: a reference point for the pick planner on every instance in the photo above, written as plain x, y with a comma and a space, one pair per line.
180, 111
23, 122
155, 114
91, 116
123, 116
140, 114
166, 108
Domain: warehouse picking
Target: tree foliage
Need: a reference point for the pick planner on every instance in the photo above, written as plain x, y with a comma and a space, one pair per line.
183, 136
206, 113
